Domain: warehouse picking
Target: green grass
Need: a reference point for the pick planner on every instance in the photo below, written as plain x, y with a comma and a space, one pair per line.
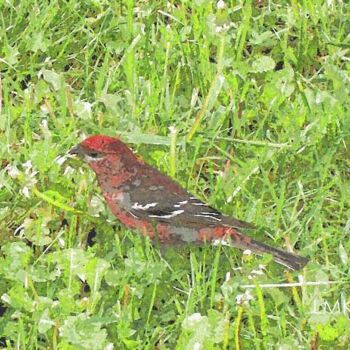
258, 94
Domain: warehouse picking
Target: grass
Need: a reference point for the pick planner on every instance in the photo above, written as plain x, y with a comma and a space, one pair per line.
256, 96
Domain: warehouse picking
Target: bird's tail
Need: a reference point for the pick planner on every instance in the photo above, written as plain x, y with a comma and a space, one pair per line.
292, 261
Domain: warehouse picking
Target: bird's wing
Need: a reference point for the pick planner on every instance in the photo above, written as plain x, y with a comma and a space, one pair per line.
169, 203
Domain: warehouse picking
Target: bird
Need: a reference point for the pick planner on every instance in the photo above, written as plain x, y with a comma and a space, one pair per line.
148, 201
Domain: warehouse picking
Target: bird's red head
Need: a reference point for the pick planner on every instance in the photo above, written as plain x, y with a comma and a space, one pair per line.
99, 149
102, 143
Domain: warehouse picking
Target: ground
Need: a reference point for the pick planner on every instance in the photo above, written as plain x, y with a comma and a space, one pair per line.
246, 104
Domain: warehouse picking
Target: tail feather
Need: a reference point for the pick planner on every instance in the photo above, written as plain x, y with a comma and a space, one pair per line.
292, 261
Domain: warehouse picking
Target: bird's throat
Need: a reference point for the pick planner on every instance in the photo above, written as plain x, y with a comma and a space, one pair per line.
111, 174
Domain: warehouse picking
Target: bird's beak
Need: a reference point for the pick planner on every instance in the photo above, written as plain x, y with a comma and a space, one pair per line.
77, 150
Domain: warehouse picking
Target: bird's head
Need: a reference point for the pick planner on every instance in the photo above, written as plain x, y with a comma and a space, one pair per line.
101, 150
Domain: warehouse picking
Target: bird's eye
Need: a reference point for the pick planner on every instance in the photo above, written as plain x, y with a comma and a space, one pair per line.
93, 154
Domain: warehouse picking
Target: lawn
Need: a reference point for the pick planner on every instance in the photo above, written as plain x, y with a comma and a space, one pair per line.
246, 104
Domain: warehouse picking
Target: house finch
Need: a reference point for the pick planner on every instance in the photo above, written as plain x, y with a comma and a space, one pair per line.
143, 198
